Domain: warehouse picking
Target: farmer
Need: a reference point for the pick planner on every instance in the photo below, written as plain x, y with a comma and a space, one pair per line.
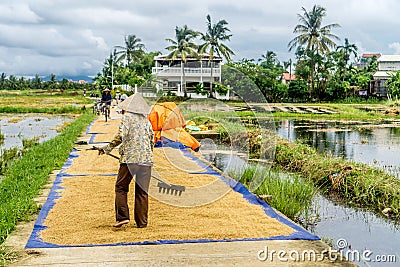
106, 97
117, 96
135, 136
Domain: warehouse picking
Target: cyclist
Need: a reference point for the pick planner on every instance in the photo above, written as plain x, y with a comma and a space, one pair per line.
106, 99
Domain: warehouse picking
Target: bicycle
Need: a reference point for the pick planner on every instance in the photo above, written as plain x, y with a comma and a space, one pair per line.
96, 108
106, 110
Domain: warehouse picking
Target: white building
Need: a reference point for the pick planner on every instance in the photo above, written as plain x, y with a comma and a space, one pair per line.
387, 64
175, 76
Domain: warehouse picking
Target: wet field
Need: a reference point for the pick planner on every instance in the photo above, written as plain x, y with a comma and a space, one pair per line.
353, 230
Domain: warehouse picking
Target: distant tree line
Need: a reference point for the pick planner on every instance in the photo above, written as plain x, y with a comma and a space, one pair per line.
13, 82
323, 69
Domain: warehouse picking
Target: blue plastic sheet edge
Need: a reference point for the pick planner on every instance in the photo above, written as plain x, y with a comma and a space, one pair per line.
36, 242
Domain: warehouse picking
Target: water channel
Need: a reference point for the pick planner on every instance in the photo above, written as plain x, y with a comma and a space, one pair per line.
17, 127
359, 230
374, 144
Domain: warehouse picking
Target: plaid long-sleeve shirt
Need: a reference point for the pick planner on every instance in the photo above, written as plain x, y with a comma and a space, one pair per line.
136, 139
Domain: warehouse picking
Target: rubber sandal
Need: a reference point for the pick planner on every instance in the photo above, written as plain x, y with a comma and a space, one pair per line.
119, 224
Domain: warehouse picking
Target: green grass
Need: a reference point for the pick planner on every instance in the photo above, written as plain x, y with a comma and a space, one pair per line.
8, 255
24, 177
8, 155
291, 195
50, 110
346, 111
1, 138
356, 183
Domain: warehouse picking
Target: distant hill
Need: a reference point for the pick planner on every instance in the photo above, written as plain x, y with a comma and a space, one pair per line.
70, 77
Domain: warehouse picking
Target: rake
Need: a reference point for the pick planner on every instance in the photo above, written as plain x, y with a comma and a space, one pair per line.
163, 186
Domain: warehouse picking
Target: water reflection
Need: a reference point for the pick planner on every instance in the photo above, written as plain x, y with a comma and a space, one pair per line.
361, 229
377, 145
18, 127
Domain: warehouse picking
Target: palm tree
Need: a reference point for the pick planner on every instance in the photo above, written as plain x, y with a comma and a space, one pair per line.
213, 38
347, 50
182, 47
132, 51
315, 37
269, 60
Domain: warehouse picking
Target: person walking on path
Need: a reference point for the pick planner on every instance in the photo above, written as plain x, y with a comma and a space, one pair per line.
136, 140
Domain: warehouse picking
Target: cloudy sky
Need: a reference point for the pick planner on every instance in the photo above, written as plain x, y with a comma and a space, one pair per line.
74, 37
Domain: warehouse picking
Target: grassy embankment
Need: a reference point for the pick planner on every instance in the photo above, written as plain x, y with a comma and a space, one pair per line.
291, 194
355, 183
345, 112
43, 103
25, 176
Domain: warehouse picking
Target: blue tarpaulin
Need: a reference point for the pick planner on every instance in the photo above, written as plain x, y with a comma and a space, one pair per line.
36, 242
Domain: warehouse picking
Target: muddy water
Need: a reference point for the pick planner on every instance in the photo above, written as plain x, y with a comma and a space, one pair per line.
18, 127
359, 233
374, 144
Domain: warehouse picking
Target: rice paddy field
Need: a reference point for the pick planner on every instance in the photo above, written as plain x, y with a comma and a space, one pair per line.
295, 159
43, 103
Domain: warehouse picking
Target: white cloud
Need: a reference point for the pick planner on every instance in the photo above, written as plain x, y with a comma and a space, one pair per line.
396, 47
71, 36
17, 13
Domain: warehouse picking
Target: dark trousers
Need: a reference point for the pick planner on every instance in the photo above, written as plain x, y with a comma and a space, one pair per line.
125, 175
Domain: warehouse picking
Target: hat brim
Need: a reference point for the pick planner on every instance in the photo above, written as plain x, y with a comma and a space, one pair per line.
135, 104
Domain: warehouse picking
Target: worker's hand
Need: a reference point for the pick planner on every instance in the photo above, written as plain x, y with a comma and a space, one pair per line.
101, 151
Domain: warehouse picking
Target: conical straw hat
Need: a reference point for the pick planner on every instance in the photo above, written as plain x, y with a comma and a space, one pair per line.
135, 104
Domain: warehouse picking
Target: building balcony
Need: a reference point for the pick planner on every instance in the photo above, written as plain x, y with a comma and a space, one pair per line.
189, 72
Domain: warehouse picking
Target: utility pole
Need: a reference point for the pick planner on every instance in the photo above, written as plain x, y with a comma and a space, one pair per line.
112, 74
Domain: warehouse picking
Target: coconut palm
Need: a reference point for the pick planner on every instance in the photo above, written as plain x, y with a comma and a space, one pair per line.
316, 38
182, 47
213, 38
269, 60
347, 50
132, 50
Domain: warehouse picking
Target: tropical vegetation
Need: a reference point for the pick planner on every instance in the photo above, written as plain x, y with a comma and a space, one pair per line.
183, 47
25, 176
324, 68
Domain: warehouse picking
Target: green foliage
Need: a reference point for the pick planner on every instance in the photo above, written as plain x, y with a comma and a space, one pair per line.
8, 155
363, 80
220, 89
291, 195
254, 79
13, 83
25, 176
357, 183
1, 137
53, 110
393, 84
199, 89
297, 91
